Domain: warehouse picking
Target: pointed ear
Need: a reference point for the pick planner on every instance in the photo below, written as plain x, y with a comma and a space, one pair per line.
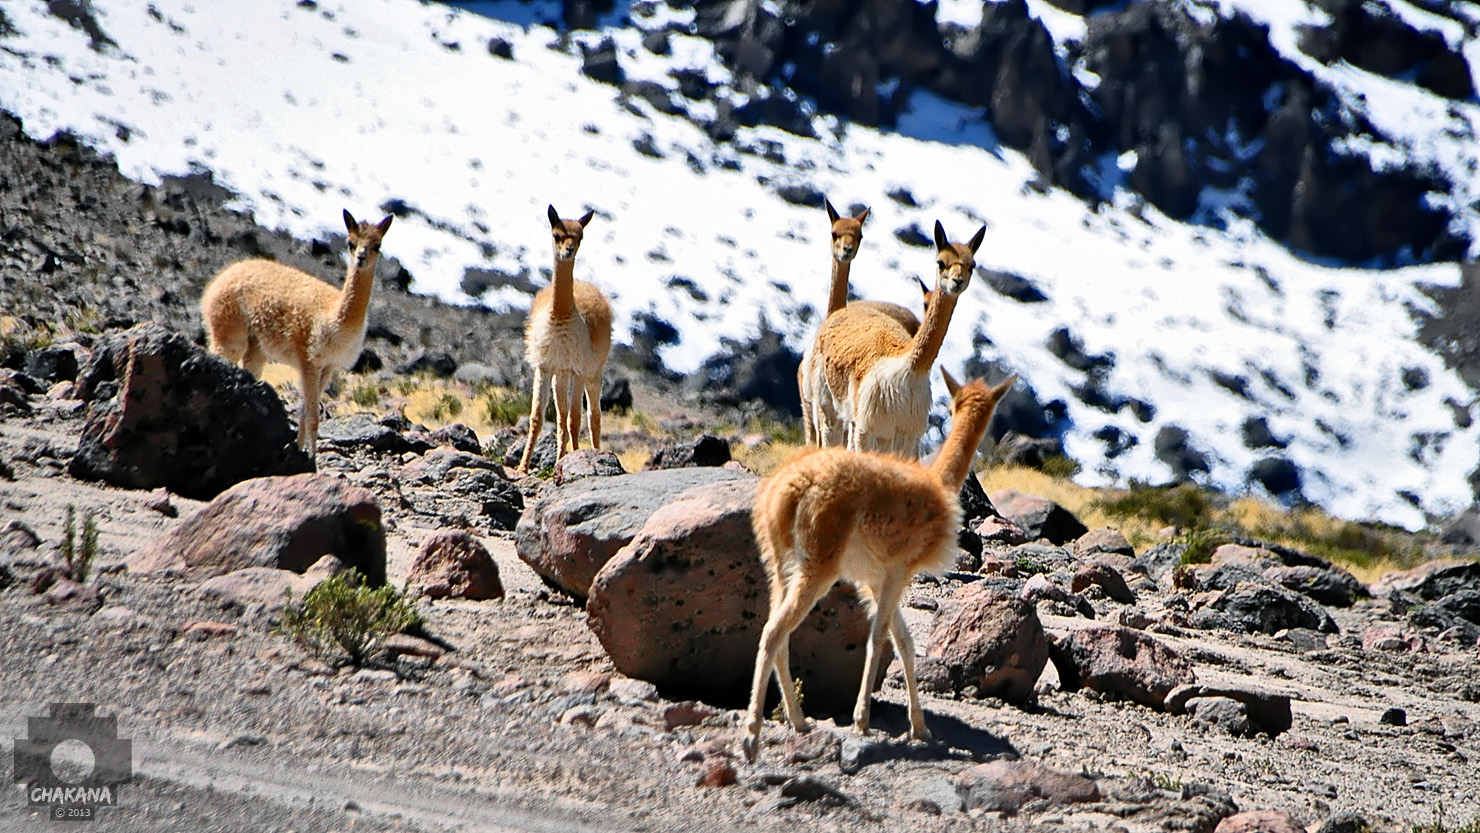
349, 222
586, 218
952, 386
924, 287
832, 213
861, 217
999, 391
976, 242
385, 224
940, 236
554, 217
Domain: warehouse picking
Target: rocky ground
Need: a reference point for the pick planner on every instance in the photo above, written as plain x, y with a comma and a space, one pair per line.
510, 714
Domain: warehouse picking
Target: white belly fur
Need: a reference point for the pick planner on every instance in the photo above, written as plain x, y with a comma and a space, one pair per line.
562, 347
891, 408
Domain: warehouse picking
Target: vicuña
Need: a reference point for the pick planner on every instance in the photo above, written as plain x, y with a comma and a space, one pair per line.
878, 373
566, 341
259, 310
872, 519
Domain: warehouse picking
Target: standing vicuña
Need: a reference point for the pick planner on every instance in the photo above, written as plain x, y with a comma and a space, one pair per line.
259, 310
566, 341
820, 424
879, 374
871, 519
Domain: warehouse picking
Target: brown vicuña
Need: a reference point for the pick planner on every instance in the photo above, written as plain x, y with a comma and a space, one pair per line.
566, 341
878, 373
820, 425
875, 520
259, 310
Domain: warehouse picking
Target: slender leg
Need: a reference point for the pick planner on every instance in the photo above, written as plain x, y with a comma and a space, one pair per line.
541, 396
573, 410
308, 421
809, 428
593, 407
886, 604
801, 596
562, 412
253, 359
905, 646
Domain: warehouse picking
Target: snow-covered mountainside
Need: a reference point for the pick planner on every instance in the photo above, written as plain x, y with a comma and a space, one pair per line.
1156, 346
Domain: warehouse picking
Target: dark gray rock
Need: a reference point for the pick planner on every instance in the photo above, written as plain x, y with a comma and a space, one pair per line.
364, 430
1263, 608
1225, 713
57, 363
1327, 585
587, 462
703, 450
434, 363
1269, 711
1039, 517
164, 412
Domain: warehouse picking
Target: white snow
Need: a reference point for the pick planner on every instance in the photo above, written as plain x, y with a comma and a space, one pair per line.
304, 111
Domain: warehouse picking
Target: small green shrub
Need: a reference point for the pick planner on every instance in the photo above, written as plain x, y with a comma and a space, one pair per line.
78, 556
1183, 505
778, 713
368, 394
341, 617
1200, 541
1027, 567
1061, 466
503, 406
446, 406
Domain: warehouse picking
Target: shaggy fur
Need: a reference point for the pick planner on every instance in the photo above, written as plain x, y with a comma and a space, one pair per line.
870, 519
566, 341
878, 372
258, 310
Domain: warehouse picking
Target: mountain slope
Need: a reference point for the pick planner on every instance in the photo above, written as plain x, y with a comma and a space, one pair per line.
1157, 347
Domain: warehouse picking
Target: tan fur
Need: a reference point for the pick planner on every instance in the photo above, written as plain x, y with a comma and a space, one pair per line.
566, 341
258, 310
871, 519
878, 372
820, 425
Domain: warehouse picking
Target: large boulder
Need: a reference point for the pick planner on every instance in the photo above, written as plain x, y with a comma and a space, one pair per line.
1005, 786
1327, 585
1256, 607
287, 523
1267, 711
1121, 661
164, 412
567, 535
1038, 516
1434, 580
991, 639
683, 605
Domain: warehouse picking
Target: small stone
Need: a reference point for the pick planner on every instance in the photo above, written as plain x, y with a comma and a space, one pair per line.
1394, 717
404, 644
857, 753
210, 628
584, 681
816, 746
581, 716
719, 772
1260, 821
159, 501
375, 675
688, 713
629, 690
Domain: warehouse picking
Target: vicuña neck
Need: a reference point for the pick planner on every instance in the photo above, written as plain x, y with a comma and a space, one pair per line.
354, 298
958, 452
932, 333
837, 296
565, 288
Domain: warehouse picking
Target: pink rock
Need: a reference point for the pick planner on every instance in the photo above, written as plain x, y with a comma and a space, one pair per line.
210, 628
455, 565
1005, 786
1260, 821
1122, 661
1000, 530
285, 523
688, 713
991, 640
1103, 540
1104, 577
1253, 559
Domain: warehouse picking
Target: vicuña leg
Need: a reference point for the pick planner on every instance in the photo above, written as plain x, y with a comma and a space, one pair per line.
904, 644
886, 605
593, 409
253, 360
802, 593
573, 415
540, 397
308, 418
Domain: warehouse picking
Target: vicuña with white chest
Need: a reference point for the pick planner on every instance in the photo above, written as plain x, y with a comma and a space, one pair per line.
878, 373
566, 341
820, 423
260, 310
872, 519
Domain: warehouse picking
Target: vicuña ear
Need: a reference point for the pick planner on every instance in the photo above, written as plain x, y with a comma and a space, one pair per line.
349, 222
861, 217
999, 391
924, 287
952, 386
385, 224
940, 237
832, 213
554, 217
976, 242
586, 218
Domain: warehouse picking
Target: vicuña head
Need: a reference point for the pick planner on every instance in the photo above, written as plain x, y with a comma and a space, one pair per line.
259, 310
847, 233
878, 371
566, 341
874, 520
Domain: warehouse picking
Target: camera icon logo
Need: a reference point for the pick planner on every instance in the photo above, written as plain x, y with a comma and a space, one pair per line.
73, 763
